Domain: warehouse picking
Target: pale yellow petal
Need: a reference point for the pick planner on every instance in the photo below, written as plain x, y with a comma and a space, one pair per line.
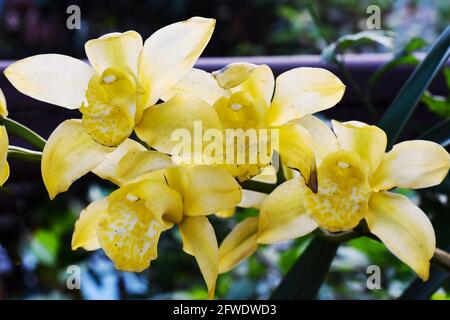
369, 142
404, 229
260, 83
296, 148
115, 50
69, 154
267, 175
238, 245
283, 215
4, 173
107, 168
303, 91
85, 233
233, 74
3, 105
323, 138
200, 241
173, 123
208, 190
412, 164
4, 166
226, 213
170, 53
165, 203
252, 199
200, 84
137, 163
52, 78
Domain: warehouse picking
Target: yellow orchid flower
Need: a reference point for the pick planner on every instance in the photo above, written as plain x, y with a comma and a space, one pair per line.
126, 76
241, 98
354, 175
153, 197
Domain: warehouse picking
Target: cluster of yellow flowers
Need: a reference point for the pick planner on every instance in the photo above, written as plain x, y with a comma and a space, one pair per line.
337, 177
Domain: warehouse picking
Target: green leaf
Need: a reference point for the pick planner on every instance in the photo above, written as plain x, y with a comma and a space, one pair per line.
409, 96
305, 278
437, 104
402, 57
447, 76
414, 44
419, 290
288, 257
384, 38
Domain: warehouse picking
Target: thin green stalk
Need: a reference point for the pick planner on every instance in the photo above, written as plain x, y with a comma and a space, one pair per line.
24, 154
20, 130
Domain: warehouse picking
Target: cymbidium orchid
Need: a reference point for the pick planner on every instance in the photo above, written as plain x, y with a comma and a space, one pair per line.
124, 78
354, 176
127, 223
239, 96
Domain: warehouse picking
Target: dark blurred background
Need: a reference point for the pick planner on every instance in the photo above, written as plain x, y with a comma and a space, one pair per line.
35, 232
251, 27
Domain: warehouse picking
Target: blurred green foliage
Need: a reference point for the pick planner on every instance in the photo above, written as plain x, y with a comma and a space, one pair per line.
439, 104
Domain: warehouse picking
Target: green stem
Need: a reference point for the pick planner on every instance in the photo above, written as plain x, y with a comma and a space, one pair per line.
306, 276
23, 132
441, 258
24, 154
